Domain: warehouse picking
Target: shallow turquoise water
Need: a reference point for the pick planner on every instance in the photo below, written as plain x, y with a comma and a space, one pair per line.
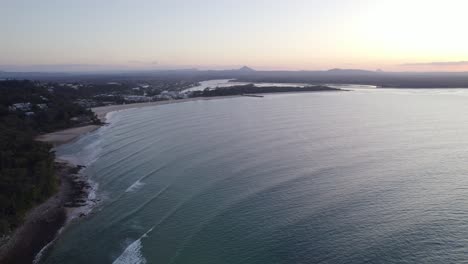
352, 177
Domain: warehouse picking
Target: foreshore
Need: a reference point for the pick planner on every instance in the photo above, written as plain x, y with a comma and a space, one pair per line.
67, 135
43, 223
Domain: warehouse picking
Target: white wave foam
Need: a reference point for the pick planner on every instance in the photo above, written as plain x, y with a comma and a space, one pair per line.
91, 152
87, 155
91, 202
111, 117
73, 213
94, 187
135, 186
37, 259
39, 255
132, 254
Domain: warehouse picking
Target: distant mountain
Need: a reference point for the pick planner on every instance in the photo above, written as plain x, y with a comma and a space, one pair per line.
246, 74
246, 69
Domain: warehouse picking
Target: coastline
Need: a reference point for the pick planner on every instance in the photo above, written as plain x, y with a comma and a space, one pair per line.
102, 111
74, 199
68, 135
44, 222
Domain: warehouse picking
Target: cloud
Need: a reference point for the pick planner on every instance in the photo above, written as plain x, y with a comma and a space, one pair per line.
437, 63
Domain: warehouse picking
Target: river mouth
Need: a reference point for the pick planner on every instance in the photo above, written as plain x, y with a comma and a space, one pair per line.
226, 83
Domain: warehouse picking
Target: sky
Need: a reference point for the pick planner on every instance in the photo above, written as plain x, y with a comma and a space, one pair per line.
82, 35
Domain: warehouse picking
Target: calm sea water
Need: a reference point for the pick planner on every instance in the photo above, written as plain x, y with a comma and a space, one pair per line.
331, 177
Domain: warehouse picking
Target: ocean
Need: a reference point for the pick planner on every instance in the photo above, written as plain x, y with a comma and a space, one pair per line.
367, 176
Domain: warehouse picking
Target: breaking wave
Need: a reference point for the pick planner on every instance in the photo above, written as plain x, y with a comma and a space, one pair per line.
132, 254
135, 186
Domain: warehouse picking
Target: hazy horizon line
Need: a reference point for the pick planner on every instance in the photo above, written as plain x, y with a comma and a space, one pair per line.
103, 68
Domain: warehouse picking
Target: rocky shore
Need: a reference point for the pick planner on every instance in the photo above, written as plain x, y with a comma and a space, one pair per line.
42, 224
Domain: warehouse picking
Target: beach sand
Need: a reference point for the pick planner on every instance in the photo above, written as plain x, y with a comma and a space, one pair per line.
102, 111
67, 135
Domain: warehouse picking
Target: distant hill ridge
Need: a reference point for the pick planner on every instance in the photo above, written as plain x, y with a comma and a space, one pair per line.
246, 69
247, 74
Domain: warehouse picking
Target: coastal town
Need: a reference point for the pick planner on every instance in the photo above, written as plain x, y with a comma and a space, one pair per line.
41, 103
110, 93
91, 95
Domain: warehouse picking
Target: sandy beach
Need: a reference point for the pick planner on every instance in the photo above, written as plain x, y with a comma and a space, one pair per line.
102, 111
67, 135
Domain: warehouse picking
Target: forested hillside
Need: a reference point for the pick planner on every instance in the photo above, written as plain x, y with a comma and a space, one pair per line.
27, 166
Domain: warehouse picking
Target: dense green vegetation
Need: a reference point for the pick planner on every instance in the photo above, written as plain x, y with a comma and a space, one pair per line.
27, 166
252, 89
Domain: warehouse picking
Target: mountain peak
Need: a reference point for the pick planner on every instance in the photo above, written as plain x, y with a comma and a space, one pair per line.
246, 69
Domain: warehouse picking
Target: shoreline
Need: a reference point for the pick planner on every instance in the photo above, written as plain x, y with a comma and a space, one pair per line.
68, 135
44, 222
102, 111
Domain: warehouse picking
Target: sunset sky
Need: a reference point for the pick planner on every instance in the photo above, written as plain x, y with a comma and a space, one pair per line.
393, 35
